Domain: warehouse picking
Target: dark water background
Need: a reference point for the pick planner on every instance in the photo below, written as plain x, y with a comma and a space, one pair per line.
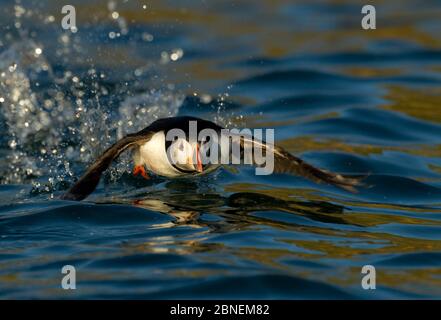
343, 98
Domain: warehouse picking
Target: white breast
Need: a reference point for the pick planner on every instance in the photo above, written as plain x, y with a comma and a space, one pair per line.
154, 155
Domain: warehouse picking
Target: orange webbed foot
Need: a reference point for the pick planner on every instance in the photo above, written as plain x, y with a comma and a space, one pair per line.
140, 170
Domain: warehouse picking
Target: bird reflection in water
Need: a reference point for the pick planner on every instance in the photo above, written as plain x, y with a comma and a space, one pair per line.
187, 207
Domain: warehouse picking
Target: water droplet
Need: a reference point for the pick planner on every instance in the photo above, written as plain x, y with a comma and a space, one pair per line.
50, 19
12, 67
176, 54
138, 72
147, 37
64, 38
206, 98
19, 11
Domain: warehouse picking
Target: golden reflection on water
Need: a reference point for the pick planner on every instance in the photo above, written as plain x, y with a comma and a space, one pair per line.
423, 104
247, 201
360, 234
309, 143
342, 244
283, 34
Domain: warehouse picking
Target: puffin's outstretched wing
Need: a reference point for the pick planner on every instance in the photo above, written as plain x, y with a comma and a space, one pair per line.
88, 182
284, 162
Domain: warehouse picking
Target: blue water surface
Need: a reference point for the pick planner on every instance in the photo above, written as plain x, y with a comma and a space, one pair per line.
363, 102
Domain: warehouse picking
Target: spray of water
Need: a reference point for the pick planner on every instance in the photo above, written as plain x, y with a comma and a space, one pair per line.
57, 117
53, 133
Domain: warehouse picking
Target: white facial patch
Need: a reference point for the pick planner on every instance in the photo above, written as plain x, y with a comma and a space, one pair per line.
153, 154
181, 153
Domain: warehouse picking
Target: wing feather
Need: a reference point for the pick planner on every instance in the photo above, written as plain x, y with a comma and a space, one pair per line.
88, 182
284, 162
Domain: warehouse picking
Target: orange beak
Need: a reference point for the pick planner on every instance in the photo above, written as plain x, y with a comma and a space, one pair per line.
198, 160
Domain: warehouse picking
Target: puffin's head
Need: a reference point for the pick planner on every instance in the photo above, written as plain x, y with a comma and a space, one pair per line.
185, 156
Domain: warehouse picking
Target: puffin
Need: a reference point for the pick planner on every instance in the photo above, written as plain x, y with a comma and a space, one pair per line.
182, 157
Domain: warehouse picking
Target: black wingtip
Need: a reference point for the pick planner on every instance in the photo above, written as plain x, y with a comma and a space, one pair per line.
89, 181
72, 196
86, 184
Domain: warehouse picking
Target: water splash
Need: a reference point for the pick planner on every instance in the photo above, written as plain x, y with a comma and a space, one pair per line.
135, 110
53, 133
58, 116
25, 121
